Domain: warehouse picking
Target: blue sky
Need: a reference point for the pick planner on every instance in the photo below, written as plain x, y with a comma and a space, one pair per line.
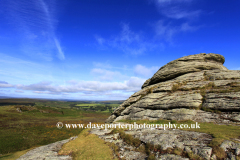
106, 49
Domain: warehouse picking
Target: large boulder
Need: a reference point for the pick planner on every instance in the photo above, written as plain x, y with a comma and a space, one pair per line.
196, 87
188, 64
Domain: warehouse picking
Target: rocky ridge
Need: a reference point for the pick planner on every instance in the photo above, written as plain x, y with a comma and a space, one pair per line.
196, 87
193, 143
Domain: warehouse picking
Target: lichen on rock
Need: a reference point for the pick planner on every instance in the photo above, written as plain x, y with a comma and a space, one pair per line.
197, 82
197, 88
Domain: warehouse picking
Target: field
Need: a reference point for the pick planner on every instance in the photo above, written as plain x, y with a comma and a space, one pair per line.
30, 123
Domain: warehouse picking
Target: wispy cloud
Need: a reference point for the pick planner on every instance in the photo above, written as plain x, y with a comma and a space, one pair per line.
166, 31
4, 84
59, 48
177, 16
36, 21
131, 85
100, 40
177, 13
172, 11
19, 91
177, 9
128, 41
144, 71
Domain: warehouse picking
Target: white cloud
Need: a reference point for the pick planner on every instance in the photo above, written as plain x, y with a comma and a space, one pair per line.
186, 27
134, 82
59, 48
144, 71
108, 75
177, 13
6, 85
41, 86
167, 2
177, 9
127, 36
19, 91
102, 65
94, 89
131, 85
3, 82
100, 40
128, 41
167, 31
173, 10
164, 31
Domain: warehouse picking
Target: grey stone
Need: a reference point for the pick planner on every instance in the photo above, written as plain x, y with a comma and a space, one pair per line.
182, 92
132, 155
236, 118
231, 156
171, 138
19, 110
237, 151
229, 145
190, 77
165, 138
187, 149
214, 157
193, 85
223, 74
223, 101
111, 118
188, 64
47, 152
133, 113
205, 152
172, 157
146, 83
164, 87
170, 101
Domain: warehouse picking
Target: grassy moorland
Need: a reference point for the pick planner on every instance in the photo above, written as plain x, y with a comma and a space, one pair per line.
27, 124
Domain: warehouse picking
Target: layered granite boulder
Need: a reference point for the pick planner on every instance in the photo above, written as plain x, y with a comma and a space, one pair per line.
196, 87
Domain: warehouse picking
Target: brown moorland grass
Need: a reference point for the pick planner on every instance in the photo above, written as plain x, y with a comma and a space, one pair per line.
87, 146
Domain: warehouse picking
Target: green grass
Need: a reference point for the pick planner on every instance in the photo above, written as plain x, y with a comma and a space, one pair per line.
14, 156
31, 128
89, 104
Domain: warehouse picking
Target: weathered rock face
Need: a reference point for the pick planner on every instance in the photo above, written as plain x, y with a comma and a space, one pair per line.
188, 64
196, 87
187, 141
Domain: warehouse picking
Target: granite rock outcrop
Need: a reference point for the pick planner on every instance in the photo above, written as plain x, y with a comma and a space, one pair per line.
196, 87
